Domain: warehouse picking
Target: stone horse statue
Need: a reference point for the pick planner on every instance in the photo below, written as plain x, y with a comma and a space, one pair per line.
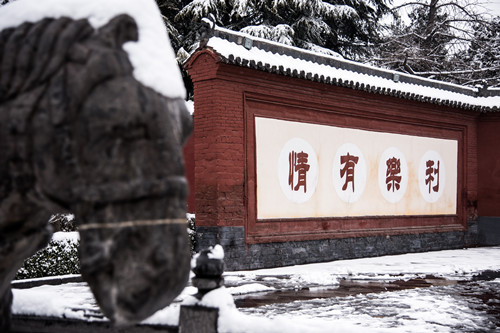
79, 133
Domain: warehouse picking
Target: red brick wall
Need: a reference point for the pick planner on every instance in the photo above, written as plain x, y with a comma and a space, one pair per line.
218, 149
227, 98
489, 168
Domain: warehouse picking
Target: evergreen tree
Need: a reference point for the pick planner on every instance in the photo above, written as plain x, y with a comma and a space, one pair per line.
335, 26
419, 47
481, 63
169, 9
434, 43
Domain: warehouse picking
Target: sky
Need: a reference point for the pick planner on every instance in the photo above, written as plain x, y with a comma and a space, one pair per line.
494, 6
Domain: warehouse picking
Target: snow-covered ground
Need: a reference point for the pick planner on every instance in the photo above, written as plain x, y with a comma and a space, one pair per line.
327, 297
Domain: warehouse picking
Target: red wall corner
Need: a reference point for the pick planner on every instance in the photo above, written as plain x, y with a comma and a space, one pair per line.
489, 166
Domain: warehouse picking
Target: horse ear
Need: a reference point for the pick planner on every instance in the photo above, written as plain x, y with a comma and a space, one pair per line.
119, 30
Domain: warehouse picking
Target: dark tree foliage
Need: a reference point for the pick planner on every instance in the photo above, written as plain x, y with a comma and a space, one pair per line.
436, 42
448, 40
419, 47
345, 27
177, 32
483, 56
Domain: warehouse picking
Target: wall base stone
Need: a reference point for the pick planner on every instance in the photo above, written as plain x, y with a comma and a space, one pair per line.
489, 231
471, 235
242, 256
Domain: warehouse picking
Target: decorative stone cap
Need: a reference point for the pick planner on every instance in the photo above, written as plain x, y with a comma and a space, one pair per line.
208, 266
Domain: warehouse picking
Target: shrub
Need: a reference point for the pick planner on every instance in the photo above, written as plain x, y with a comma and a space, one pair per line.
60, 257
191, 232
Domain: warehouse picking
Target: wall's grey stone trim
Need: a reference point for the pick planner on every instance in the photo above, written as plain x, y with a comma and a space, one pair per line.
489, 231
228, 237
241, 256
471, 236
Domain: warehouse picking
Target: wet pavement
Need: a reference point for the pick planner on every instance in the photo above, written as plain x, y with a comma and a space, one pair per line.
346, 287
416, 305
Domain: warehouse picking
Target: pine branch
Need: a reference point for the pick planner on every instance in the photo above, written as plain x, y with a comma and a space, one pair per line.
469, 71
481, 80
408, 4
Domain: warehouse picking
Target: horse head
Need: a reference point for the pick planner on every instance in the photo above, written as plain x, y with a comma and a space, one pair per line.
79, 133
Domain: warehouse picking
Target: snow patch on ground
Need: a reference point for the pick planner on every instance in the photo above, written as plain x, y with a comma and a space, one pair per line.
167, 316
249, 288
452, 264
433, 309
54, 301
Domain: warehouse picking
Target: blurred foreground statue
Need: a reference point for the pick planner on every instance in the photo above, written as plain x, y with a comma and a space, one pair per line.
86, 126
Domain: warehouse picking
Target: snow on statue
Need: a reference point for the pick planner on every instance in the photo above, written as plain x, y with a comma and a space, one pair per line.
92, 121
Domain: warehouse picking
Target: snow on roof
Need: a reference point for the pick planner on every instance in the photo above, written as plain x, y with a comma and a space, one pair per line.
151, 56
247, 51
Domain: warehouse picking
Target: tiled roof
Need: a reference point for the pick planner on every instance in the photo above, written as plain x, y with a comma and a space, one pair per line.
247, 51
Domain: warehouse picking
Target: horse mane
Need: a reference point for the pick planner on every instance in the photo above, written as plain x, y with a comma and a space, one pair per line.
61, 57
33, 52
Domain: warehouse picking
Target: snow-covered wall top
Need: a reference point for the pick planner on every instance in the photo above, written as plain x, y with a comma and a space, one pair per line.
244, 50
151, 56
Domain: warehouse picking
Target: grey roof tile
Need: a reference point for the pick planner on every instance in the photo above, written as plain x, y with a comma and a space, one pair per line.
291, 61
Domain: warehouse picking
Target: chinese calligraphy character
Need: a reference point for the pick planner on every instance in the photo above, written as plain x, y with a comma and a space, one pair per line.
298, 164
392, 176
429, 173
350, 162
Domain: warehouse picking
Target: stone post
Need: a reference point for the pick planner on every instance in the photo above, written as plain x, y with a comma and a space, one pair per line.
208, 267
